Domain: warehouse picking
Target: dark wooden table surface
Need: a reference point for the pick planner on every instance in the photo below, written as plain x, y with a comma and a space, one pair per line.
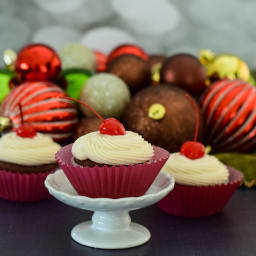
43, 229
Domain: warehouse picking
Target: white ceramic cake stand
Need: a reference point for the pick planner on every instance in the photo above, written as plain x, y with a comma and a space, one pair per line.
111, 226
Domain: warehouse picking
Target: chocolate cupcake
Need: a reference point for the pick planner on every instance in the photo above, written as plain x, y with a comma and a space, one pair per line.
111, 166
25, 162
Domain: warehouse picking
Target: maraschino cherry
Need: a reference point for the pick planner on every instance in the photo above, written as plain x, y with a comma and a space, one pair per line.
193, 149
110, 126
25, 130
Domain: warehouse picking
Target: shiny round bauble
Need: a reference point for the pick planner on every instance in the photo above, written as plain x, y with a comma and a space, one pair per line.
224, 66
43, 107
184, 71
175, 127
87, 125
37, 62
133, 70
127, 49
101, 61
229, 110
77, 56
5, 78
107, 94
75, 80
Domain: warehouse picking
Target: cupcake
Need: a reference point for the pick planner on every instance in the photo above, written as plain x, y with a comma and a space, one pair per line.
203, 184
26, 158
111, 162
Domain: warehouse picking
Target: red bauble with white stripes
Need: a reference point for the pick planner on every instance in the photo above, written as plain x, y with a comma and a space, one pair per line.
229, 110
43, 107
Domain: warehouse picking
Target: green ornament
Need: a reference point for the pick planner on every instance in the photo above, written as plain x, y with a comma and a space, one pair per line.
107, 94
243, 162
76, 79
77, 56
5, 77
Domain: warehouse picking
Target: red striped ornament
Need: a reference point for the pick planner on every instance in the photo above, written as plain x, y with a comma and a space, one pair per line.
43, 107
229, 110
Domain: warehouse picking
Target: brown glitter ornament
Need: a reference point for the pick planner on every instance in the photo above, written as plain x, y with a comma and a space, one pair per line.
87, 125
184, 71
133, 70
177, 124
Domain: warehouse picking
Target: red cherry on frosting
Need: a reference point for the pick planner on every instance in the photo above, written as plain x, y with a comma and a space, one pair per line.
112, 126
192, 149
26, 131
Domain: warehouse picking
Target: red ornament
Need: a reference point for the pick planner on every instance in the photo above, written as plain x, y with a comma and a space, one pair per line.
43, 107
229, 109
127, 49
184, 71
37, 62
112, 126
101, 61
26, 131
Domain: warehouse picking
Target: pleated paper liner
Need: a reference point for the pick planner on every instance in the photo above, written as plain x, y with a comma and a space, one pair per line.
114, 181
23, 187
198, 201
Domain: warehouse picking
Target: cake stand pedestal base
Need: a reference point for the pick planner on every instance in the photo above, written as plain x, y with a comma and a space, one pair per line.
110, 230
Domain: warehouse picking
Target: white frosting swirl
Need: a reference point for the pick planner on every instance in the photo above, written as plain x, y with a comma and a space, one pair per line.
126, 149
38, 150
204, 171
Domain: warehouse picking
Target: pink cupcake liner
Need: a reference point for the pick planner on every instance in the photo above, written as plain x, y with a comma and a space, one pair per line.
23, 187
198, 201
114, 181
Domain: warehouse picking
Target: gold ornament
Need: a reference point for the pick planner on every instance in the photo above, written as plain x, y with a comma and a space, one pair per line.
156, 111
4, 123
224, 66
9, 58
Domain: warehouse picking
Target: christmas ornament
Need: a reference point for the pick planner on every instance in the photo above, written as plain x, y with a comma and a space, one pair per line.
5, 78
224, 66
43, 108
107, 94
101, 61
75, 79
155, 62
9, 58
244, 162
4, 123
174, 128
184, 71
77, 56
37, 62
229, 109
127, 49
133, 70
87, 125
